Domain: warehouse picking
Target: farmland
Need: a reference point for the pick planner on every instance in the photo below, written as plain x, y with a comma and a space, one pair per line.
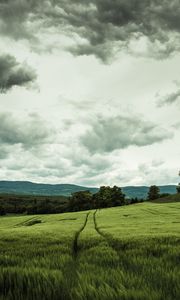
129, 252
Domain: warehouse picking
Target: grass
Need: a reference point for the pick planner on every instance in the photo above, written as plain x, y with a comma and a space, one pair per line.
130, 252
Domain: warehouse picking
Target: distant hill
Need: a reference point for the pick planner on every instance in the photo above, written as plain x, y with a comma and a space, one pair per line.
168, 199
141, 191
29, 188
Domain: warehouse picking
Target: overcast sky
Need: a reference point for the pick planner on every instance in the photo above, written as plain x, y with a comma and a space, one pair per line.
90, 91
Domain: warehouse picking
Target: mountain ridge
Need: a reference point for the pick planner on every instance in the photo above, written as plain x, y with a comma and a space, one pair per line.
31, 188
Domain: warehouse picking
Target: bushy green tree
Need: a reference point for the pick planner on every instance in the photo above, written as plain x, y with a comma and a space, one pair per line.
80, 201
154, 192
178, 188
134, 200
2, 211
102, 198
108, 197
117, 196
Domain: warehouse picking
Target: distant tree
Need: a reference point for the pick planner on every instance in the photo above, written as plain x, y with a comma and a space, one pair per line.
103, 197
117, 196
163, 195
44, 207
134, 200
153, 193
80, 201
178, 188
2, 211
108, 197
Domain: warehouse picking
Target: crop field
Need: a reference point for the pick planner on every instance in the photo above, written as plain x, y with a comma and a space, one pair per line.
129, 253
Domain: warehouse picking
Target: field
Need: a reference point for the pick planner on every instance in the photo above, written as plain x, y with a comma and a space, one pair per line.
129, 252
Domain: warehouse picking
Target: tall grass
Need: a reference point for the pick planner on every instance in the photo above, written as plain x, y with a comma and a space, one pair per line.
126, 253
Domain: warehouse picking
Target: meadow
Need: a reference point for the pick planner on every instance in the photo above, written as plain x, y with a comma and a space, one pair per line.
129, 252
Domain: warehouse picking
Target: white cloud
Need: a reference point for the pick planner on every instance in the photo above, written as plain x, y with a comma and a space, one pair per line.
74, 90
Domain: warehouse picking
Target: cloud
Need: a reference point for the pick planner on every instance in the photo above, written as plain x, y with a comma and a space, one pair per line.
28, 142
3, 152
13, 73
29, 133
15, 16
109, 134
104, 26
176, 125
156, 174
169, 99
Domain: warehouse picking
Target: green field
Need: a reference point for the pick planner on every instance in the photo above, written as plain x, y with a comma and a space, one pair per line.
129, 252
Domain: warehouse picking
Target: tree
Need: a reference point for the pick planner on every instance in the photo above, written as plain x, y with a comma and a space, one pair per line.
134, 200
153, 192
108, 197
2, 211
117, 196
103, 197
178, 187
80, 201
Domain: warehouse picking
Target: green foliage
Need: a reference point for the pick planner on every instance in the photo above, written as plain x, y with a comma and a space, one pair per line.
105, 197
18, 204
80, 201
128, 252
178, 188
168, 199
109, 197
134, 201
154, 192
164, 195
2, 211
83, 200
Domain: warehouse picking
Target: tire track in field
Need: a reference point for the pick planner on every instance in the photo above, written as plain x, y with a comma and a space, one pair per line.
25, 222
106, 237
77, 235
152, 211
116, 244
73, 268
155, 212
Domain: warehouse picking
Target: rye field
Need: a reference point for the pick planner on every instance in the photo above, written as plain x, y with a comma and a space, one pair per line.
124, 253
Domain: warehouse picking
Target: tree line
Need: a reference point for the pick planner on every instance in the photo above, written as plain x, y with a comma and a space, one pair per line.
106, 197
83, 200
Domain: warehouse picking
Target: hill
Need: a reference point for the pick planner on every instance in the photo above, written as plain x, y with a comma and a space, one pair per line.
30, 188
128, 253
141, 191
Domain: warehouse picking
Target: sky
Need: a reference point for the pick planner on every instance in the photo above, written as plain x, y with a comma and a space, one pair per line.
90, 91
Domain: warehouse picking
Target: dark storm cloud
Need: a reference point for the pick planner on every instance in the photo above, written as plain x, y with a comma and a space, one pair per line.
15, 16
13, 73
107, 135
169, 99
29, 134
105, 25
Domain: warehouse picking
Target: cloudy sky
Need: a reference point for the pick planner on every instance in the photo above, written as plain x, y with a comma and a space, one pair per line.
90, 91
